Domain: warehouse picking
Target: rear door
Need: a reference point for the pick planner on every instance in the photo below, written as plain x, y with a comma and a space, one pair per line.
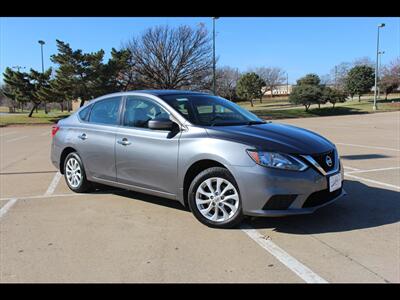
146, 158
96, 139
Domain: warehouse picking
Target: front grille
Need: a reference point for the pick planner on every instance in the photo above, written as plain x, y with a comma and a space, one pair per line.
279, 202
321, 159
321, 197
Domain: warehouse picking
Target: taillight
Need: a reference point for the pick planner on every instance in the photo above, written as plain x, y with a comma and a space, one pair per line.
54, 130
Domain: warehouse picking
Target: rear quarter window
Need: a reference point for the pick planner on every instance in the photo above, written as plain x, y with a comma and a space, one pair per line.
84, 113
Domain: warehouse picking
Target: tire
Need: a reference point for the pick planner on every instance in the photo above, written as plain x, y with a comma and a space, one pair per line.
220, 206
73, 163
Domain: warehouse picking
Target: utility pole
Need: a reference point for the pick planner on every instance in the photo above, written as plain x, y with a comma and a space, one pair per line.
214, 81
376, 66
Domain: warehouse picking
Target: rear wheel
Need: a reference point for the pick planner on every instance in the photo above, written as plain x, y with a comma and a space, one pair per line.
75, 175
214, 198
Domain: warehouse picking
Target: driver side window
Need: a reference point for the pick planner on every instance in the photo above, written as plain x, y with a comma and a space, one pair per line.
139, 111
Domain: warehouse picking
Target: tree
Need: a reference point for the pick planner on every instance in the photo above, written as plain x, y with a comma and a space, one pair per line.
360, 80
309, 79
391, 77
117, 74
78, 74
339, 73
27, 87
308, 91
364, 61
305, 95
249, 86
333, 95
171, 58
226, 82
272, 77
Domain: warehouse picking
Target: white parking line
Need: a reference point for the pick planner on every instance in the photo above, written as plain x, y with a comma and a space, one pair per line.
369, 147
48, 196
53, 184
351, 168
373, 181
290, 262
372, 170
7, 206
5, 134
17, 139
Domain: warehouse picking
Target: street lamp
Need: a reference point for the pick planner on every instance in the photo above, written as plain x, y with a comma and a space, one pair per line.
41, 48
214, 82
376, 66
379, 72
287, 83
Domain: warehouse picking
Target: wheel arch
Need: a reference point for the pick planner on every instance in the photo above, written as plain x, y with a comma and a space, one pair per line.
194, 170
64, 154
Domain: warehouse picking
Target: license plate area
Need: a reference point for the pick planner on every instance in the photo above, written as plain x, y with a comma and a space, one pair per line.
335, 182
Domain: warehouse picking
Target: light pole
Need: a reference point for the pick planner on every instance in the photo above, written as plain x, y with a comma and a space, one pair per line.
214, 81
287, 83
41, 48
376, 66
379, 73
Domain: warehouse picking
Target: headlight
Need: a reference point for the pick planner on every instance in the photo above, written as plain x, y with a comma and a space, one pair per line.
277, 160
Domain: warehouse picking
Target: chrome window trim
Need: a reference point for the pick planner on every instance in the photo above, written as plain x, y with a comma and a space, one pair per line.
318, 166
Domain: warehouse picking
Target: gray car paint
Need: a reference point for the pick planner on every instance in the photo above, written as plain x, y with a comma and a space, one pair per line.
156, 162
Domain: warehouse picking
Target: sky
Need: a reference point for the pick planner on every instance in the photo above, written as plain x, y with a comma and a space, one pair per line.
299, 45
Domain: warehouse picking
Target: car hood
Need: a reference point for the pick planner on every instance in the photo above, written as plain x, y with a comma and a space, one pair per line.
274, 137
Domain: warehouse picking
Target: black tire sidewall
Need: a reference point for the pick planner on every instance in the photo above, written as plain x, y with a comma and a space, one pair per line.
208, 173
84, 184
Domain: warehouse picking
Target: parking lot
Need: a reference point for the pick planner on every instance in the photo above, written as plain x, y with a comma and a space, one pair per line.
49, 234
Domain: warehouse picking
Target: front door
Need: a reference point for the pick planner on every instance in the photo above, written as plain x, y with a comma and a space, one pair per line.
146, 158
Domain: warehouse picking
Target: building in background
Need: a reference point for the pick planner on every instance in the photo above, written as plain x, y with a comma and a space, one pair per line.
279, 90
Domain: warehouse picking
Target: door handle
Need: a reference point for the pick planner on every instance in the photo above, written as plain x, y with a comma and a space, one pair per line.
124, 142
83, 136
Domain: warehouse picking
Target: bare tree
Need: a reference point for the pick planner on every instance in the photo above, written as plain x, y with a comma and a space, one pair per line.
390, 80
366, 61
226, 80
171, 58
338, 74
272, 77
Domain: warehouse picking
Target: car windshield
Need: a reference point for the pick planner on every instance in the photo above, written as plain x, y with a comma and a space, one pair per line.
208, 110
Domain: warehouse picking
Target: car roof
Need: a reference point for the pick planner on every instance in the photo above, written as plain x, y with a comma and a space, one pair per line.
169, 92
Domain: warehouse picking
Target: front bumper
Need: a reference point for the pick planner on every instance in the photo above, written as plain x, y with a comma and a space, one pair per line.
258, 185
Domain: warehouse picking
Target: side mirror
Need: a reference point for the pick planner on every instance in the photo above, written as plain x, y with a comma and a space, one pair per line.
161, 124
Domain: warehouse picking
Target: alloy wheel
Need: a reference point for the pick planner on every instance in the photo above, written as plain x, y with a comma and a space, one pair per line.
217, 199
73, 172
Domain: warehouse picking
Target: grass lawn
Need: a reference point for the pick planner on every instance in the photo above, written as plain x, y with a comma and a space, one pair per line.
271, 109
37, 118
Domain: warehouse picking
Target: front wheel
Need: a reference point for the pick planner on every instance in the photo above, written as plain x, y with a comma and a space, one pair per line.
75, 175
214, 198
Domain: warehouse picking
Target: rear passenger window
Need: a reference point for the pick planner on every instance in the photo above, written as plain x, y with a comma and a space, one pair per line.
84, 113
106, 111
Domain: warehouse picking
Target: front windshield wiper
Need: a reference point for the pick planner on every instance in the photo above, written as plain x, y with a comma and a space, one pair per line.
255, 122
237, 123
